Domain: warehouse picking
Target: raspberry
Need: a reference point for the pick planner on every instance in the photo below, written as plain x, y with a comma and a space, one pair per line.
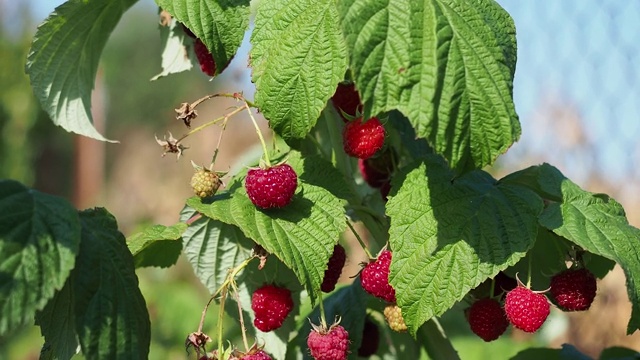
272, 187
334, 269
371, 175
376, 171
207, 64
393, 314
271, 305
347, 100
526, 310
370, 339
362, 140
487, 319
258, 355
375, 278
331, 344
573, 289
205, 182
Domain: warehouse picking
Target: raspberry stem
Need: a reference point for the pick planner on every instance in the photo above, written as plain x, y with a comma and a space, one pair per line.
215, 152
529, 272
223, 298
229, 280
241, 317
323, 319
364, 247
212, 122
255, 124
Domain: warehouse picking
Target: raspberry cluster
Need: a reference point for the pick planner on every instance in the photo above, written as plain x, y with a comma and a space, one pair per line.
571, 290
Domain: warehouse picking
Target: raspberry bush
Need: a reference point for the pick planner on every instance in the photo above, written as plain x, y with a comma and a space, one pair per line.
437, 77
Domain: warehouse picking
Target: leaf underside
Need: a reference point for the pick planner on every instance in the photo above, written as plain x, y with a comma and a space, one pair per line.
64, 56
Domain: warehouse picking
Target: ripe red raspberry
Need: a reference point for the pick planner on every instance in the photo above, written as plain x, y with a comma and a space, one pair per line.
331, 344
334, 269
272, 187
487, 319
258, 355
573, 289
376, 171
393, 315
375, 278
363, 140
370, 339
371, 175
347, 100
271, 305
207, 64
526, 309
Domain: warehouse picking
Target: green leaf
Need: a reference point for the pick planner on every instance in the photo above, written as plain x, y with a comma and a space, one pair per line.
544, 179
176, 50
619, 353
57, 323
435, 341
446, 65
449, 235
39, 237
568, 352
213, 248
157, 245
302, 234
220, 24
63, 60
596, 223
298, 58
111, 315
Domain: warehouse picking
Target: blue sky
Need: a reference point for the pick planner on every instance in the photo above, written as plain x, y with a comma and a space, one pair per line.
582, 52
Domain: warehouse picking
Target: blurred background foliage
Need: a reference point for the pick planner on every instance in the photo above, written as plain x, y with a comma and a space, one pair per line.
140, 187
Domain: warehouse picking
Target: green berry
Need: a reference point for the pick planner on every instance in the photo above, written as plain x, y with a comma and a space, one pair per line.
393, 314
205, 182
